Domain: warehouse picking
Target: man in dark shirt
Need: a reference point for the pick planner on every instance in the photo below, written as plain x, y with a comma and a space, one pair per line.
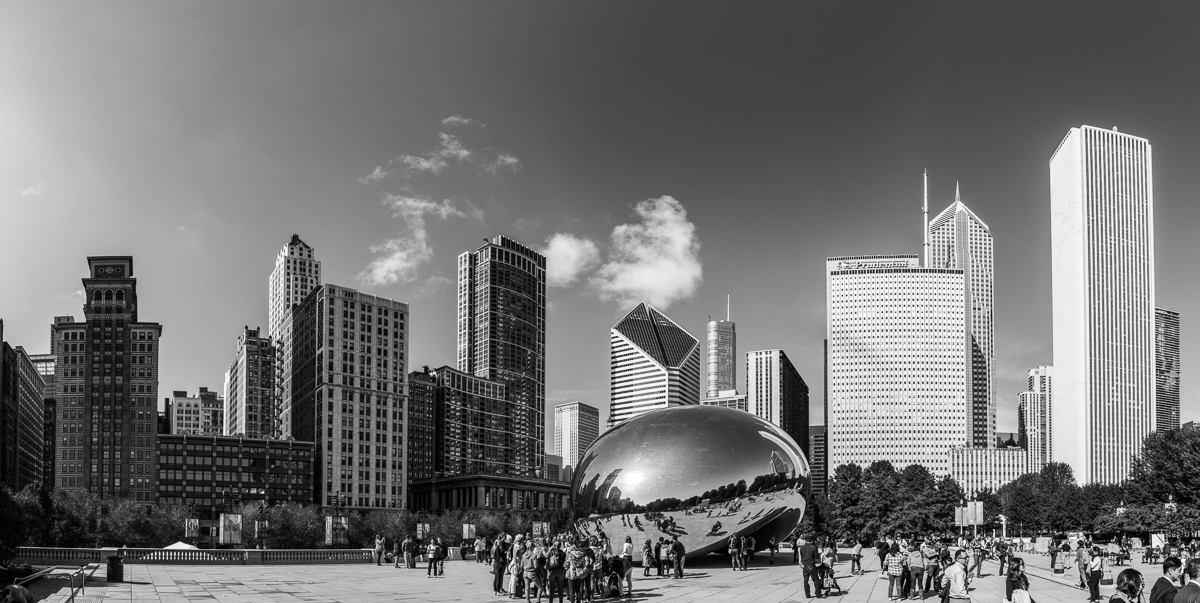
809, 558
1165, 589
1190, 593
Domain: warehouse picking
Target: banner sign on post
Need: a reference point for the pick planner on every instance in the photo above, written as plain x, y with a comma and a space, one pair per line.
468, 531
231, 528
191, 527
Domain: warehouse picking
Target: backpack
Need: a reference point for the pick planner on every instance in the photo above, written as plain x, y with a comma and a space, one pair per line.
576, 567
557, 560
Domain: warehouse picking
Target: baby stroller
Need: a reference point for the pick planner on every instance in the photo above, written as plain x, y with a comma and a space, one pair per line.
612, 582
828, 582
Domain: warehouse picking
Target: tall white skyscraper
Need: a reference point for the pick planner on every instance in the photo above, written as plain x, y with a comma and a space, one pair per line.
1033, 417
776, 392
959, 240
722, 355
1102, 242
898, 379
296, 274
576, 426
655, 363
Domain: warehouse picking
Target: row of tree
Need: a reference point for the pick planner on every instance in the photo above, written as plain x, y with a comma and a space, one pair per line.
37, 516
1161, 495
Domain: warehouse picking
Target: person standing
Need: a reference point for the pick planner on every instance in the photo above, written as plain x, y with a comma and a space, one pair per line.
498, 563
678, 550
530, 573
1093, 580
379, 548
627, 564
647, 557
578, 570
809, 558
1129, 587
772, 548
955, 578
881, 551
480, 549
1190, 593
855, 557
406, 547
750, 546
1164, 588
1016, 579
735, 551
894, 565
929, 551
794, 538
658, 556
1002, 553
1082, 560
556, 562
431, 555
916, 572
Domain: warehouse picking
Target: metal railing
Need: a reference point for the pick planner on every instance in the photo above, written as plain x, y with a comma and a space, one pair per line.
82, 582
145, 556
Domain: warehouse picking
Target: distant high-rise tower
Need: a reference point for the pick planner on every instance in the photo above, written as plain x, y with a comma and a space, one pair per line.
817, 446
108, 389
250, 388
348, 385
959, 240
896, 369
22, 416
654, 363
202, 414
776, 392
1102, 242
296, 274
502, 337
422, 441
1166, 368
1033, 417
722, 355
576, 426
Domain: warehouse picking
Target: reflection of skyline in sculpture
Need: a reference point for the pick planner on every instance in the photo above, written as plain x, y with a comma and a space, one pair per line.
702, 473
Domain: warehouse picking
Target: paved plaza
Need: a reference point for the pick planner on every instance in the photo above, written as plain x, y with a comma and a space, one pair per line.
705, 580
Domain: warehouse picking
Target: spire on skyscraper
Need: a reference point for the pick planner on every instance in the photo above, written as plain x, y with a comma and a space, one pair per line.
957, 198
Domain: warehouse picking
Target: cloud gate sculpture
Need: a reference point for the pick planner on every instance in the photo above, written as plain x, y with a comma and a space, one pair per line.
703, 473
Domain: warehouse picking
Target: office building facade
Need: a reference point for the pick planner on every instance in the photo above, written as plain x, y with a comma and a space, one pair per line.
198, 470
107, 386
576, 426
776, 392
297, 272
1166, 369
728, 399
250, 388
1102, 241
45, 366
22, 417
475, 434
349, 382
986, 469
959, 240
897, 375
422, 428
654, 363
201, 414
502, 337
817, 459
1034, 417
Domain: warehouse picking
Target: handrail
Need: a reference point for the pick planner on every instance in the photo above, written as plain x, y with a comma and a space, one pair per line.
34, 576
82, 583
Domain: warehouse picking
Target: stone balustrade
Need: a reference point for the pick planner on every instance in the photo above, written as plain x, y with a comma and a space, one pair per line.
61, 556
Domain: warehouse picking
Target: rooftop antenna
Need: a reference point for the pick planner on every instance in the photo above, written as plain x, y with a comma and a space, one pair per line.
726, 307
925, 222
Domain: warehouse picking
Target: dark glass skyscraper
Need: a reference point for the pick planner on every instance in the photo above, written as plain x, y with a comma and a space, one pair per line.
1166, 369
502, 337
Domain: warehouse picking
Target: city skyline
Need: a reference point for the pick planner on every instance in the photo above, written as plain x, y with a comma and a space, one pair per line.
807, 166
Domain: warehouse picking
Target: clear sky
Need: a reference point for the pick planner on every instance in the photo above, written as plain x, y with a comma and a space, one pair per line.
669, 151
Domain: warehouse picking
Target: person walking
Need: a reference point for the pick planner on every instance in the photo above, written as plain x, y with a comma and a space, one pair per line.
809, 558
1093, 580
1082, 559
647, 557
1017, 582
916, 572
735, 551
894, 565
881, 550
1164, 588
379, 548
1129, 587
855, 557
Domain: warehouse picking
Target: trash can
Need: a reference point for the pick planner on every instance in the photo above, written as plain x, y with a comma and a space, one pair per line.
116, 569
1060, 564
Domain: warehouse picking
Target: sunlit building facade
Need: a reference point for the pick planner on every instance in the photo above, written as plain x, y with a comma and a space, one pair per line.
722, 357
201, 414
297, 272
1102, 265
1166, 368
776, 392
576, 426
250, 389
654, 363
1034, 417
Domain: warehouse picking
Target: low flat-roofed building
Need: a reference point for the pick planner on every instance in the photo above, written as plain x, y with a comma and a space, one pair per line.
488, 492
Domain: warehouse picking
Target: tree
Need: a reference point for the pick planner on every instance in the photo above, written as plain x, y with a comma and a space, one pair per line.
1165, 471
1056, 494
815, 520
845, 493
880, 487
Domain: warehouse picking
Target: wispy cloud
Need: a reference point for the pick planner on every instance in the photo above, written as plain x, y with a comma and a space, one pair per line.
449, 151
568, 258
458, 120
431, 286
399, 258
503, 161
656, 259
32, 191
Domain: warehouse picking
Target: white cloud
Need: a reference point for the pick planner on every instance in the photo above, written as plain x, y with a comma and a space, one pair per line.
458, 120
400, 257
32, 191
376, 176
655, 260
568, 257
504, 160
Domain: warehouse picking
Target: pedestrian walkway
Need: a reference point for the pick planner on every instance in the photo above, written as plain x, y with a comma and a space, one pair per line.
709, 579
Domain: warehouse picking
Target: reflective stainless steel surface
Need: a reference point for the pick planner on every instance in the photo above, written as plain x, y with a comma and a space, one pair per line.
704, 473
